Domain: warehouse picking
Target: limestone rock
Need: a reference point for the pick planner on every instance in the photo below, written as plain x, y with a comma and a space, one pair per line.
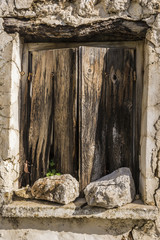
6, 7
117, 6
25, 4
86, 7
146, 232
24, 192
61, 189
113, 190
135, 10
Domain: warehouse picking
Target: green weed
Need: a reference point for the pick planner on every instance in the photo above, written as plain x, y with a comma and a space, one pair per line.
52, 171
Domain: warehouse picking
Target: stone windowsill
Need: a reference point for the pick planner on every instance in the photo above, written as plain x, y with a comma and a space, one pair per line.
78, 209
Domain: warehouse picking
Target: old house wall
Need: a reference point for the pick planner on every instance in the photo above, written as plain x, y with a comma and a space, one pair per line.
10, 83
26, 21
64, 229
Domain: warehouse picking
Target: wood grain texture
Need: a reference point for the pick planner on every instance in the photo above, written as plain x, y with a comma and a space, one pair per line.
80, 107
92, 115
37, 116
41, 113
107, 116
65, 71
120, 91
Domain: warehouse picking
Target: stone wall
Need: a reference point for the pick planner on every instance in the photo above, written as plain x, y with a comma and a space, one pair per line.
87, 20
64, 229
149, 162
10, 67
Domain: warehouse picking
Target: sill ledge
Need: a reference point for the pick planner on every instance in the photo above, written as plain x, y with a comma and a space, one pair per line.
79, 209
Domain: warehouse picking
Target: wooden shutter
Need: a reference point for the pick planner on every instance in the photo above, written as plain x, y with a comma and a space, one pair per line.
106, 93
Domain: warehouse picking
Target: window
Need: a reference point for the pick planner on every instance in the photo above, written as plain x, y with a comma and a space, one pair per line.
80, 107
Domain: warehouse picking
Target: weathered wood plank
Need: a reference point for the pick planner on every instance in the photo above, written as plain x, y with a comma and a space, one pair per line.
120, 76
50, 116
41, 113
65, 70
92, 115
107, 117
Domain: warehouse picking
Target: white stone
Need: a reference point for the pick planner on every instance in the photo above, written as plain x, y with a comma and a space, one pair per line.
154, 86
152, 36
135, 10
115, 6
9, 113
85, 7
157, 21
6, 7
148, 187
113, 190
25, 4
61, 189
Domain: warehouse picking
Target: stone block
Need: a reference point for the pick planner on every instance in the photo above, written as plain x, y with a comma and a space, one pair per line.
148, 188
118, 5
147, 160
61, 189
6, 7
149, 118
113, 190
25, 4
135, 10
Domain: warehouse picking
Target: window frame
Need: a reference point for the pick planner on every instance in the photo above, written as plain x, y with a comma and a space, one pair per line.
138, 46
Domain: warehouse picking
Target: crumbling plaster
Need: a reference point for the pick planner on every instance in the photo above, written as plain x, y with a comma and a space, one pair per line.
10, 66
76, 13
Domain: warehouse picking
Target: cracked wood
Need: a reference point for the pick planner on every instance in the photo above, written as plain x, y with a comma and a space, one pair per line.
107, 114
92, 115
38, 115
65, 74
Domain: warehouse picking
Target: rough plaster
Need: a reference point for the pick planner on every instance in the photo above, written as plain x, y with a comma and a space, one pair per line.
76, 13
62, 229
80, 229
